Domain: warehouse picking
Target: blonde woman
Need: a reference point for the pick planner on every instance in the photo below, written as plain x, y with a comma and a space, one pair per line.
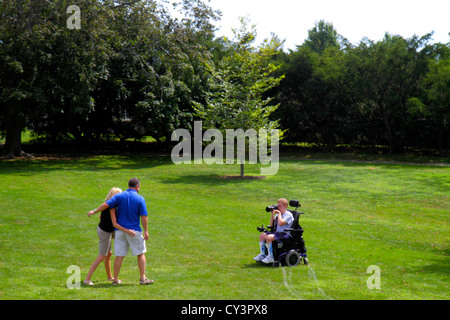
105, 232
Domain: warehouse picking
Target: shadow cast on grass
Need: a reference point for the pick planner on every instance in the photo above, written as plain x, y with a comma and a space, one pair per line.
437, 266
82, 163
105, 285
210, 179
256, 265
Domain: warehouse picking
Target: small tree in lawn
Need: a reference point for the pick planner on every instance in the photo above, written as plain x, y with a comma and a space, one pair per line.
237, 98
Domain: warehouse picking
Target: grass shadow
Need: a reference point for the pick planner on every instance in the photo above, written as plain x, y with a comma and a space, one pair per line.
82, 163
256, 265
437, 266
103, 285
107, 285
208, 179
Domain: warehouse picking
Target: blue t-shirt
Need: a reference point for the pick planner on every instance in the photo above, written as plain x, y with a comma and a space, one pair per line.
130, 207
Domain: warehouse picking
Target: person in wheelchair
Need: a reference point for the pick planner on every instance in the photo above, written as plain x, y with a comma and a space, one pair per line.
280, 220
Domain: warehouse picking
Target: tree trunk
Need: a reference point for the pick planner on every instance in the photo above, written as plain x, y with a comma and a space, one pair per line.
13, 145
242, 170
389, 133
440, 136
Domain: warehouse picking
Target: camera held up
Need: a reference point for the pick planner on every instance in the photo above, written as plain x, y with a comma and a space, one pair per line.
271, 208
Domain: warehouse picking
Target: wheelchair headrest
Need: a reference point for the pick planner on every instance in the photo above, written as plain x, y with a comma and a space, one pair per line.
294, 203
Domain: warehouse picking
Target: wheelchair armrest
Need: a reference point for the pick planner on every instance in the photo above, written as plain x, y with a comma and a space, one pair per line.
295, 230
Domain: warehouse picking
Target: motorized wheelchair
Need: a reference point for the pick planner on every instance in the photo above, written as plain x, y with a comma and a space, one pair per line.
289, 252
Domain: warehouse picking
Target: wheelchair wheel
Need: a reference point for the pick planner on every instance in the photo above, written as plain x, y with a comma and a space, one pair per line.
292, 258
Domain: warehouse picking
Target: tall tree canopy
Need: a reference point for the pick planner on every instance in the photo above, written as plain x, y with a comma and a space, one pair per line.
127, 69
238, 86
131, 69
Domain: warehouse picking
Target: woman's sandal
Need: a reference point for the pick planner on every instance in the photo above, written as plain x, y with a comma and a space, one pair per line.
146, 281
115, 283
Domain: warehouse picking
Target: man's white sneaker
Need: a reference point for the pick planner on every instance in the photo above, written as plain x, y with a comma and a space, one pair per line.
268, 260
259, 257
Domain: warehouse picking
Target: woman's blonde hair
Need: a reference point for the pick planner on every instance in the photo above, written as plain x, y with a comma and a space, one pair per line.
112, 193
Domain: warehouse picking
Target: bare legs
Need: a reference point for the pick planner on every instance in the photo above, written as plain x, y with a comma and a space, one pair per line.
141, 264
95, 264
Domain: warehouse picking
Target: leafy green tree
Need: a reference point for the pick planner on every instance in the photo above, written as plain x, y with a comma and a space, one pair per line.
54, 67
385, 74
17, 75
322, 36
239, 81
338, 93
175, 55
131, 69
434, 104
77, 62
312, 105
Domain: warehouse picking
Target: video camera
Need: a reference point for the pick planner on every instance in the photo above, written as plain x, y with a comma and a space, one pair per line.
271, 208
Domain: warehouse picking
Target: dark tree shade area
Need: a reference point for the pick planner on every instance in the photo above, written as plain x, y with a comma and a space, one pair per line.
115, 70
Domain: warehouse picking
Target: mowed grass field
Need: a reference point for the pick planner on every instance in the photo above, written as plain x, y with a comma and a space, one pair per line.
203, 229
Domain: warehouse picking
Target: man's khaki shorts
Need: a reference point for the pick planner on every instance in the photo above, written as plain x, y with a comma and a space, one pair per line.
123, 241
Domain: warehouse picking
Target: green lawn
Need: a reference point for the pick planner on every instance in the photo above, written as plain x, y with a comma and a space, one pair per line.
203, 229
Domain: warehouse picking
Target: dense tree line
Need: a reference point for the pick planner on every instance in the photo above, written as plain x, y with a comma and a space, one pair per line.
130, 70
394, 92
133, 69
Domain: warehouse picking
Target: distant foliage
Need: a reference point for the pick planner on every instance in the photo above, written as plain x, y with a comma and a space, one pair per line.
135, 69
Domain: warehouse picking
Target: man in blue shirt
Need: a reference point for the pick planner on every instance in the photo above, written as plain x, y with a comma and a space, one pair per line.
131, 208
